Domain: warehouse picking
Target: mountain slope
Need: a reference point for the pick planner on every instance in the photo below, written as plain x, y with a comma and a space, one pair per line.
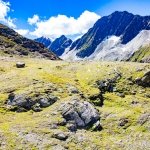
45, 41
14, 44
121, 24
112, 49
142, 55
58, 46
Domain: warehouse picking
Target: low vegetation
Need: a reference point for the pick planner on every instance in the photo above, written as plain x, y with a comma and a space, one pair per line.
124, 115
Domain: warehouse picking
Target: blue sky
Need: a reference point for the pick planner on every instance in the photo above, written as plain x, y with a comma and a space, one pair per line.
21, 10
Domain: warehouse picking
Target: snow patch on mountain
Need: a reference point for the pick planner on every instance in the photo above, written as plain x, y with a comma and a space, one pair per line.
111, 49
70, 55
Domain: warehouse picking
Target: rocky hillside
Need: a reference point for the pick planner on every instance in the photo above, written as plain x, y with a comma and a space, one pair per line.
58, 105
142, 55
109, 32
11, 43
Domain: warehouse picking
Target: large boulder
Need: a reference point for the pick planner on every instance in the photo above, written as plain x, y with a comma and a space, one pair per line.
80, 115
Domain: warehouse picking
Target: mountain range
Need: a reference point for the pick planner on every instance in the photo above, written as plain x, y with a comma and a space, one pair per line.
114, 37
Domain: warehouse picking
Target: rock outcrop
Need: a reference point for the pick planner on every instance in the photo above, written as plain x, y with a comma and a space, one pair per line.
144, 81
23, 102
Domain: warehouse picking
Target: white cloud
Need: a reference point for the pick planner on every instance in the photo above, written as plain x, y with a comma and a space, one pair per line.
4, 9
33, 20
62, 25
23, 32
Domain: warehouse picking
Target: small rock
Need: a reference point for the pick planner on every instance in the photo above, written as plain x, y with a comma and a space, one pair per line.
62, 123
134, 102
72, 127
144, 118
133, 92
36, 107
122, 95
60, 136
54, 126
97, 126
73, 90
123, 122
20, 64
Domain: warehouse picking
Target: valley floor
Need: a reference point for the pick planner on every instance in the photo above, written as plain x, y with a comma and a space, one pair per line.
125, 114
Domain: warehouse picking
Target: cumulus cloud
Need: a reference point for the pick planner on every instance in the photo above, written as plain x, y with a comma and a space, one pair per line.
23, 32
33, 20
62, 25
4, 10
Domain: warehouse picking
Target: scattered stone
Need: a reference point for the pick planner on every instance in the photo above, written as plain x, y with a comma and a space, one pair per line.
54, 126
133, 92
80, 114
123, 122
134, 102
122, 95
36, 107
71, 126
20, 64
144, 118
147, 95
97, 126
73, 90
62, 123
60, 136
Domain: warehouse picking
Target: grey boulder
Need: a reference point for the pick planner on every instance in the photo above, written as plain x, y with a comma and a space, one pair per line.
80, 114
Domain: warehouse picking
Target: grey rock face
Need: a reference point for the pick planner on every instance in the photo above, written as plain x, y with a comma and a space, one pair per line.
80, 114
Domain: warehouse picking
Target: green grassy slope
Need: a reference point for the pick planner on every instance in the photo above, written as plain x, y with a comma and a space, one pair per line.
142, 55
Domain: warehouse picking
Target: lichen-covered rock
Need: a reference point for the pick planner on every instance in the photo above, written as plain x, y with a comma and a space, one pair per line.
80, 114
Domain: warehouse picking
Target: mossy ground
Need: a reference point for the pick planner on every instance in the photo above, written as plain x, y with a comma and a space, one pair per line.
40, 74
